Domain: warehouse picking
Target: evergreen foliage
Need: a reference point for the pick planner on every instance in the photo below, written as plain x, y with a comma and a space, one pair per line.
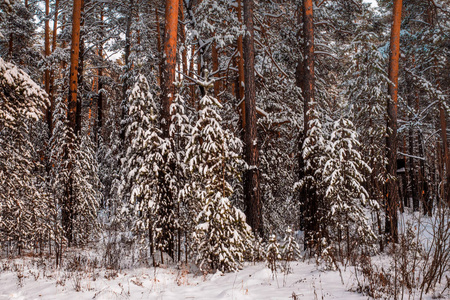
212, 157
24, 200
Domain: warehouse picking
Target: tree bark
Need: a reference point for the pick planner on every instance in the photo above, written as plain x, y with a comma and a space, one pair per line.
241, 75
52, 75
74, 63
308, 59
100, 80
170, 56
252, 174
67, 213
391, 141
47, 70
168, 93
127, 53
306, 78
446, 158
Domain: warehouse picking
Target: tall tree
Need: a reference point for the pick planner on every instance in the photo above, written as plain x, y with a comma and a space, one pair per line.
170, 60
47, 53
251, 175
67, 214
308, 60
311, 128
391, 141
168, 93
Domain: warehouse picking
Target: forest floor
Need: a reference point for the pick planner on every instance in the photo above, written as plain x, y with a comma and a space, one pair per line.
82, 277
27, 280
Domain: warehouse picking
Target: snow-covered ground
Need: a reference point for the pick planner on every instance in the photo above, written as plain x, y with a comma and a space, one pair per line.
255, 281
82, 277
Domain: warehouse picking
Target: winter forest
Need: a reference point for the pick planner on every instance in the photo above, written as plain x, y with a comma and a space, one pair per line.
224, 149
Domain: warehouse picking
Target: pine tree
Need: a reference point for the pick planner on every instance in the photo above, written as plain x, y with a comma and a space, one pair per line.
345, 195
87, 188
142, 162
23, 197
273, 253
221, 235
365, 84
290, 248
59, 175
310, 185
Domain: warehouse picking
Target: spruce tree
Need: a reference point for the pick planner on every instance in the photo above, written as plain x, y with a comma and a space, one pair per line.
213, 157
23, 198
345, 196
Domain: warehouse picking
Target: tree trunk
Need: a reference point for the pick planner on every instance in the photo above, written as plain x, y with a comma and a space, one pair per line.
446, 158
100, 80
308, 61
74, 63
391, 141
241, 75
170, 56
52, 75
306, 77
72, 112
168, 93
251, 175
127, 53
47, 70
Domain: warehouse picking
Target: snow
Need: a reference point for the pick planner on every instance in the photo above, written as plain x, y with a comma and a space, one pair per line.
255, 281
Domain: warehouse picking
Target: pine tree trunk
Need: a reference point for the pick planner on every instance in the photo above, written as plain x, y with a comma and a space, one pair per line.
74, 63
446, 158
168, 93
170, 56
309, 199
308, 62
100, 80
391, 141
52, 75
72, 113
127, 53
47, 70
251, 175
241, 74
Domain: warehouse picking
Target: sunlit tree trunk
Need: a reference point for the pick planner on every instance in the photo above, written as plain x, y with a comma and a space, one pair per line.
168, 93
391, 141
72, 111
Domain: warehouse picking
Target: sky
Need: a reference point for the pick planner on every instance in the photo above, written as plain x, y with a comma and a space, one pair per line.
372, 2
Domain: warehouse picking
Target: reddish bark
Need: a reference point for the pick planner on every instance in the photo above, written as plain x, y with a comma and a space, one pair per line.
308, 60
170, 55
74, 63
391, 141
